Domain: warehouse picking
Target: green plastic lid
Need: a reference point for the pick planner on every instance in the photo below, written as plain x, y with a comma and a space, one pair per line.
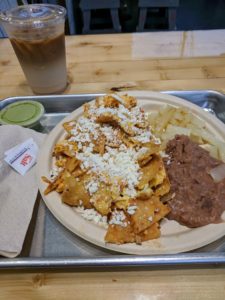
23, 113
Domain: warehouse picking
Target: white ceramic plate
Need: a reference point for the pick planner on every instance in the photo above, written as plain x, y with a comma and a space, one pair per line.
174, 237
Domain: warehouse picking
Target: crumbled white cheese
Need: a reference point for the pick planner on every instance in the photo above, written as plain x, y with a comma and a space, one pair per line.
87, 123
122, 147
92, 215
119, 162
128, 119
142, 151
79, 145
54, 172
118, 218
150, 218
83, 131
109, 132
121, 112
116, 164
157, 141
92, 187
143, 136
82, 137
131, 209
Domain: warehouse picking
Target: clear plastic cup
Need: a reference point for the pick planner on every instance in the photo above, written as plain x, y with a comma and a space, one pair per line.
37, 35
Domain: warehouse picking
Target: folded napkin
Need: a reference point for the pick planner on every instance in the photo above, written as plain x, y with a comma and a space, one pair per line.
17, 193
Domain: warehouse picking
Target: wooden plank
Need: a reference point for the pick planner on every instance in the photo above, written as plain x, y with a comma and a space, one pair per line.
161, 85
178, 44
139, 46
218, 84
167, 284
85, 50
141, 70
10, 59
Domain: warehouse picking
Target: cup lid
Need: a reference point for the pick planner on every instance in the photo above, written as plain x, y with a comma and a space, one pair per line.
35, 15
23, 113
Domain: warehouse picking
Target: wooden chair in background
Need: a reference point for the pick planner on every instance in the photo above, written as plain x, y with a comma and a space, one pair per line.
170, 5
89, 5
70, 13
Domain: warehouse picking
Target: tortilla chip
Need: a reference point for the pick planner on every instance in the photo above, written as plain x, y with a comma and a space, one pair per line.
151, 233
117, 234
102, 200
75, 194
149, 171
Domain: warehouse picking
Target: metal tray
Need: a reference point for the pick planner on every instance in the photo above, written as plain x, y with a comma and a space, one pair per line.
49, 245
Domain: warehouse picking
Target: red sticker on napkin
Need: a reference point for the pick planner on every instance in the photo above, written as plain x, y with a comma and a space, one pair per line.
23, 156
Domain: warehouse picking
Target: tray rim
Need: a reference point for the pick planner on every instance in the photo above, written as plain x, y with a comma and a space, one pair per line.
183, 259
174, 260
179, 239
36, 97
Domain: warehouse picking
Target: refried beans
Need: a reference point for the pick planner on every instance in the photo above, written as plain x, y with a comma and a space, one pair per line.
196, 199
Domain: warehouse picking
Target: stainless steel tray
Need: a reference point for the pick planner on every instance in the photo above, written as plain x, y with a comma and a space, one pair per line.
49, 245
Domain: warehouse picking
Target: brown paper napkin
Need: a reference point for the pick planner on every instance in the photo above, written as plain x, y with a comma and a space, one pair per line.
17, 192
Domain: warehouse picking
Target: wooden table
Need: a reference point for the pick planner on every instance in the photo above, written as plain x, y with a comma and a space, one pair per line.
150, 61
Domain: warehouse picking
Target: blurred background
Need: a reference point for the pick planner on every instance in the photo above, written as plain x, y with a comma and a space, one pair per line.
105, 16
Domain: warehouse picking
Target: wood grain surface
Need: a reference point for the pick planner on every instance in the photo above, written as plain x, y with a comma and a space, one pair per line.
138, 285
149, 61
101, 63
195, 284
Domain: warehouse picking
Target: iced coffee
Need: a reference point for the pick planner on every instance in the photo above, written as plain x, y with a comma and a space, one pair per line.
39, 42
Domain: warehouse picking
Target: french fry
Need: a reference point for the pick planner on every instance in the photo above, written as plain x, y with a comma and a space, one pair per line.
169, 121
